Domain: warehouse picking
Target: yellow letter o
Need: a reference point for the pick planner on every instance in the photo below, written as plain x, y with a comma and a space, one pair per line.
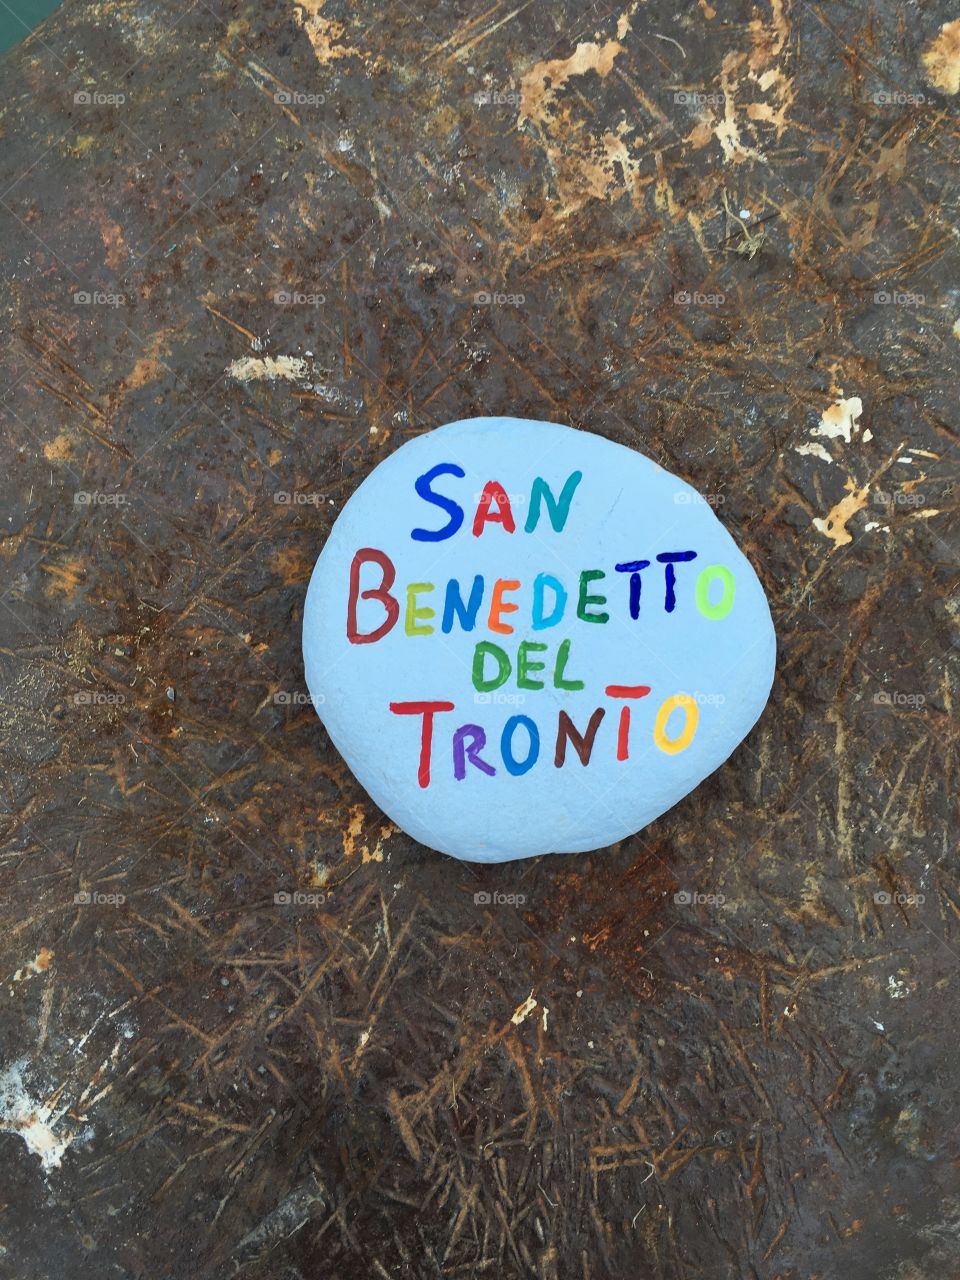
692, 715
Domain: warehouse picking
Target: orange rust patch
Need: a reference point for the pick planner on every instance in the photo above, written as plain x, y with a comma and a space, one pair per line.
60, 449
65, 577
114, 245
292, 566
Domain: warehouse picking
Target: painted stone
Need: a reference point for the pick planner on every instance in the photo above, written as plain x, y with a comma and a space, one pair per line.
526, 639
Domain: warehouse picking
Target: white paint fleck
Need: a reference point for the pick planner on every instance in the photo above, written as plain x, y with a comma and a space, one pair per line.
814, 449
896, 989
252, 369
839, 419
39, 964
34, 1121
523, 1010
878, 1025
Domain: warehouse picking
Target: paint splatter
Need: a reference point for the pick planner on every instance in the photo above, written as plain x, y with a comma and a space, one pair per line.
523, 1010
254, 369
942, 58
40, 964
322, 32
835, 524
813, 450
840, 419
35, 1122
540, 85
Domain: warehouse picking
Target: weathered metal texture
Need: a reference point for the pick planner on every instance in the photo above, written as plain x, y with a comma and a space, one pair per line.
760, 1088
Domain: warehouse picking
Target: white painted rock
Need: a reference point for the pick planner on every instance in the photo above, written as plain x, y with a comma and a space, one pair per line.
525, 639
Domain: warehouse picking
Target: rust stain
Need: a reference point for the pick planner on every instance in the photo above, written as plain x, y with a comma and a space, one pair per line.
115, 249
292, 565
145, 370
59, 449
65, 577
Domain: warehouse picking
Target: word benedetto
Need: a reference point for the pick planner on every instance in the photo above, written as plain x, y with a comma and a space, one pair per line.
649, 584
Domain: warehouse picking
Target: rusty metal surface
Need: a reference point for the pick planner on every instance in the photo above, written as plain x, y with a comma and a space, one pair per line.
200, 1081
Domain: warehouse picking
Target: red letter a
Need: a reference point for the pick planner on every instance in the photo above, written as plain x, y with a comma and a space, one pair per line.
493, 492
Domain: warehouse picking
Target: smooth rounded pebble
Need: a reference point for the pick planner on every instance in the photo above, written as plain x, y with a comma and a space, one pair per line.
526, 639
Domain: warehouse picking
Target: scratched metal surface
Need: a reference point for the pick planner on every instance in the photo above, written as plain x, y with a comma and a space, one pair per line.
198, 1081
